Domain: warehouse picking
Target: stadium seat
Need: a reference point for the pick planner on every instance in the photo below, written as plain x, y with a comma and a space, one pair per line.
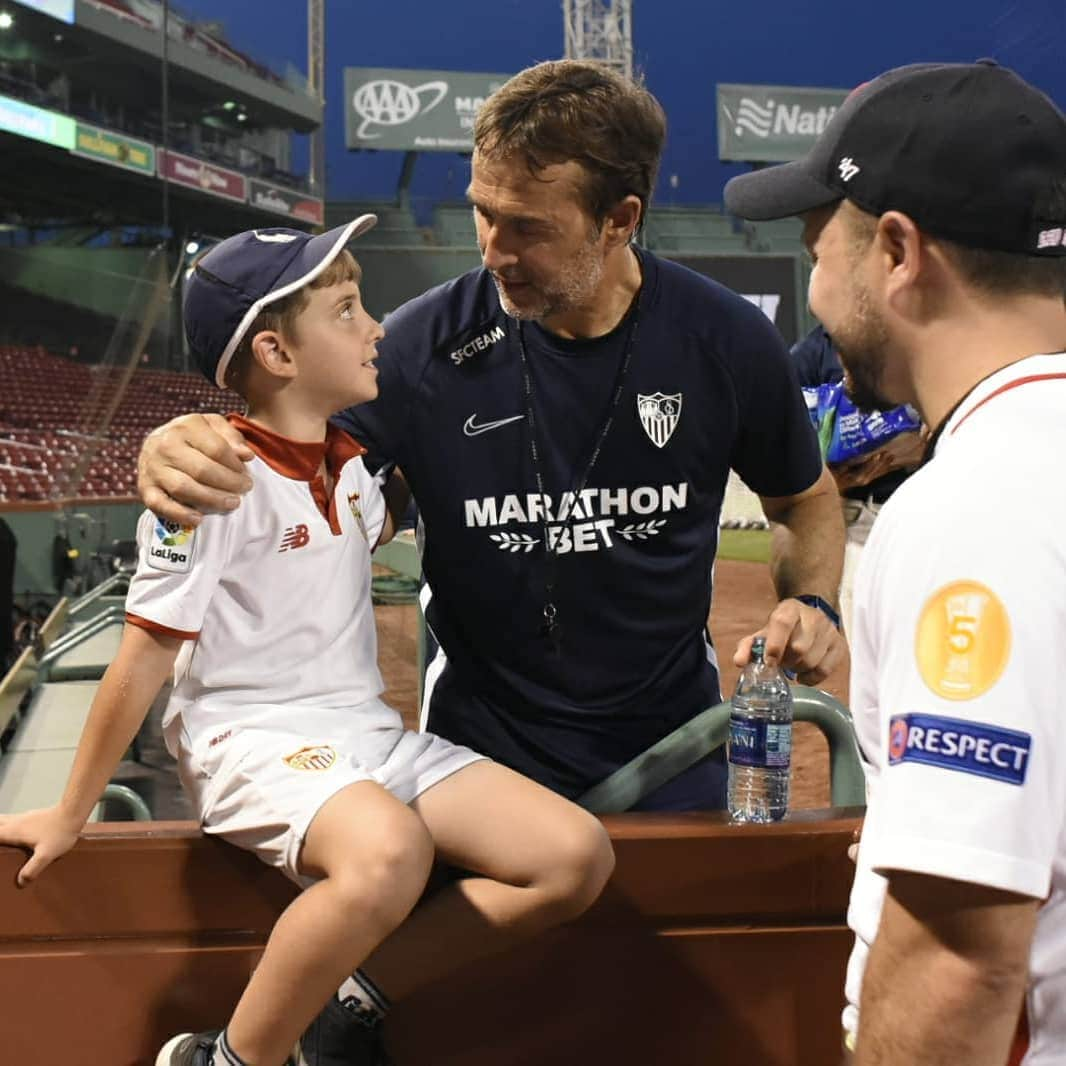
46, 421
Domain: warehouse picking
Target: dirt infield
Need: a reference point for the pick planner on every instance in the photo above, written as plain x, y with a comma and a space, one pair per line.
743, 597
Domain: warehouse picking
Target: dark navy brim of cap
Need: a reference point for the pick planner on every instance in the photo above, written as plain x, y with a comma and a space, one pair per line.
777, 192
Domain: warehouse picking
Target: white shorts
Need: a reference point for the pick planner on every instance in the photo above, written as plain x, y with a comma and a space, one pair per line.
260, 788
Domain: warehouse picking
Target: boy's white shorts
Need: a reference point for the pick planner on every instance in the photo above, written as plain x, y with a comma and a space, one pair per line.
260, 787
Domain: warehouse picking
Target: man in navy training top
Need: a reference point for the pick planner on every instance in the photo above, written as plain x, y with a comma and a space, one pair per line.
566, 417
864, 483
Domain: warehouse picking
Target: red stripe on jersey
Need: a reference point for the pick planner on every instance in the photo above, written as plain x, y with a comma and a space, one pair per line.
1006, 388
155, 627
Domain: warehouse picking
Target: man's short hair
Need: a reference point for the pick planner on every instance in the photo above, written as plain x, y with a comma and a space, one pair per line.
578, 110
986, 270
280, 316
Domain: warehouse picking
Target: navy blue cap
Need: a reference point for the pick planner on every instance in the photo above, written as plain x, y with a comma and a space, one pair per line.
240, 276
970, 151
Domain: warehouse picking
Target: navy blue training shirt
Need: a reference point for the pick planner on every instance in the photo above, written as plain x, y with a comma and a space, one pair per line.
710, 386
817, 363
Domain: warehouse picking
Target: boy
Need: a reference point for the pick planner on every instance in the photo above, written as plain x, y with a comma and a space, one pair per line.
282, 742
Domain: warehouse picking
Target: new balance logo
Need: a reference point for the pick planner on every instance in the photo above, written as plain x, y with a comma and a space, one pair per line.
295, 537
847, 168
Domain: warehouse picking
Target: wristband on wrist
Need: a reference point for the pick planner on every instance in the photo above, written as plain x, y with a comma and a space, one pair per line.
816, 601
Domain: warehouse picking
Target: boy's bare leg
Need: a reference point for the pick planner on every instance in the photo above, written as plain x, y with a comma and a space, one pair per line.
542, 861
374, 856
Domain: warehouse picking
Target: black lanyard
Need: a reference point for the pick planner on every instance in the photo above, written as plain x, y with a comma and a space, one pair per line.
551, 628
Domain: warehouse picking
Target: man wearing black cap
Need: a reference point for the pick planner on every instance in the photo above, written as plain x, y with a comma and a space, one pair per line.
934, 207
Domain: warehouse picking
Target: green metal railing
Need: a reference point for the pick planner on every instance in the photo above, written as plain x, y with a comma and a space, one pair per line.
689, 743
138, 809
111, 616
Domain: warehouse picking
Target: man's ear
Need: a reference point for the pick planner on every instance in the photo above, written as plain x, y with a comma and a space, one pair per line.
900, 241
903, 253
271, 353
622, 220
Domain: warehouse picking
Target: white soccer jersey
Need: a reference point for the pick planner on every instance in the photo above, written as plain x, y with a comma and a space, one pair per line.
273, 597
959, 675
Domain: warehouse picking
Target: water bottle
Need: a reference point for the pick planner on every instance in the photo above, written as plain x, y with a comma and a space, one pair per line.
760, 741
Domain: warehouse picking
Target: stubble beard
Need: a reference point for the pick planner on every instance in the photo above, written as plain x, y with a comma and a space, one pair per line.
573, 287
862, 343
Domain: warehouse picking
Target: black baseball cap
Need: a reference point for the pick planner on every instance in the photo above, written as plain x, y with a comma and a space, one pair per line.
241, 275
970, 151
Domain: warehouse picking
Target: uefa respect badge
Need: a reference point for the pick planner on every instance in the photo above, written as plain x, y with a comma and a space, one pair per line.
978, 748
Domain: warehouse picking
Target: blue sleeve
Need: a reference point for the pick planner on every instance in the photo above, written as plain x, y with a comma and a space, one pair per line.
776, 451
815, 359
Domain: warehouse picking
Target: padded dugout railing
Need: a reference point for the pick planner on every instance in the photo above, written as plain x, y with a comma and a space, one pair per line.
712, 943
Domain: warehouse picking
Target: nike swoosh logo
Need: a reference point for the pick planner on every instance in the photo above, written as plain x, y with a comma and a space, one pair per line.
472, 429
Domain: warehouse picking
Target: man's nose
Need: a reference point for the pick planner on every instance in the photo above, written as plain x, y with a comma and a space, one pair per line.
495, 255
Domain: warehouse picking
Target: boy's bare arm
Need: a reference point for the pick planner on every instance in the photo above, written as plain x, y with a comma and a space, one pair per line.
143, 661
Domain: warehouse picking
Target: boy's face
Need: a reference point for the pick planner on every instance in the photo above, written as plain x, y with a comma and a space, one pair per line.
334, 346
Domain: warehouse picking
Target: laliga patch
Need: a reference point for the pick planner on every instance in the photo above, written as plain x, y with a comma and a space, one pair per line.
318, 757
963, 640
171, 546
956, 744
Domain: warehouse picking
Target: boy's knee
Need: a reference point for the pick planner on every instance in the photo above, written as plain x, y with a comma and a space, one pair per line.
385, 879
581, 867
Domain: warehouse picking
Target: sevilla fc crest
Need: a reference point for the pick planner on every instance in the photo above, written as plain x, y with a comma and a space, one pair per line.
658, 415
318, 757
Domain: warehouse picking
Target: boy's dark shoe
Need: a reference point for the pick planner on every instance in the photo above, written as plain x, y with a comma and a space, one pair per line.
340, 1037
188, 1049
194, 1049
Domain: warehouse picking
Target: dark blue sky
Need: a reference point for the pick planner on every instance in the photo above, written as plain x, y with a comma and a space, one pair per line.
684, 47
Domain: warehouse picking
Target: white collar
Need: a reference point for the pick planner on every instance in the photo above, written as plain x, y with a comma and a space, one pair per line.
1031, 368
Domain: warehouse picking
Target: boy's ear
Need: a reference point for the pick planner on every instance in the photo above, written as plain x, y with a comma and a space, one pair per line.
271, 353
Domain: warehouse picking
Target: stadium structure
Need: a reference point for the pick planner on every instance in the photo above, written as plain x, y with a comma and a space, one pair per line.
132, 137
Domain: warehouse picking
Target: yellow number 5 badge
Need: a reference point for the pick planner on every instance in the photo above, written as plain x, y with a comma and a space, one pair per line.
963, 640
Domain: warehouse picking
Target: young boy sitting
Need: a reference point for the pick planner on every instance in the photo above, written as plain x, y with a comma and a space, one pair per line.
283, 744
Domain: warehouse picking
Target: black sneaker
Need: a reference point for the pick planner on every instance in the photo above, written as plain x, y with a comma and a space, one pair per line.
342, 1037
194, 1049
188, 1049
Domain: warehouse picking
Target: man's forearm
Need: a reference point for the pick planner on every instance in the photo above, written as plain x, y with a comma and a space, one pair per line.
945, 977
807, 544
397, 496
936, 1012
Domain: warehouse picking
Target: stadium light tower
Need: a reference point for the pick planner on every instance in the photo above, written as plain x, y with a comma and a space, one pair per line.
316, 85
601, 30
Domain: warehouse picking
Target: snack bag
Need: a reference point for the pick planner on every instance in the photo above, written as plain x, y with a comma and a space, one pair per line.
822, 403
845, 433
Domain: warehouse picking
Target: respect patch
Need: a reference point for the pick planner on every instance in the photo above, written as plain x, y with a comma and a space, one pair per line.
957, 744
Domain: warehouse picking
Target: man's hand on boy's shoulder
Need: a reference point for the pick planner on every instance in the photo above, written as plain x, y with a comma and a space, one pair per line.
192, 465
